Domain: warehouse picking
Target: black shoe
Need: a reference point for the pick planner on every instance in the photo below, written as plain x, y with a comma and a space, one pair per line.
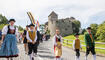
32, 58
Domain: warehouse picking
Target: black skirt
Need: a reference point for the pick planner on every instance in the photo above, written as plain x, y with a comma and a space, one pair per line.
25, 40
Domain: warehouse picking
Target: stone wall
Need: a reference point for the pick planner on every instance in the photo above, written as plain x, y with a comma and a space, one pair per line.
64, 25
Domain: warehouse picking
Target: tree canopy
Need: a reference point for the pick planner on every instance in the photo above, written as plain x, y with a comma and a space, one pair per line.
76, 26
3, 19
100, 34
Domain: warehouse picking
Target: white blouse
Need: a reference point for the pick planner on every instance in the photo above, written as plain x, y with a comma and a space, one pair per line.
5, 30
54, 39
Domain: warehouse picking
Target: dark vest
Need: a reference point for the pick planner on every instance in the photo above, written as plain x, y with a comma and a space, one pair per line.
10, 31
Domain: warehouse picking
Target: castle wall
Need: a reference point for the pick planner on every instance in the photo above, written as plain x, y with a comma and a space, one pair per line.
52, 25
65, 27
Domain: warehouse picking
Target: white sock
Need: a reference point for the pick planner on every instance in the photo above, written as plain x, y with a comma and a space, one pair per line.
78, 58
85, 57
30, 56
75, 57
94, 57
59, 58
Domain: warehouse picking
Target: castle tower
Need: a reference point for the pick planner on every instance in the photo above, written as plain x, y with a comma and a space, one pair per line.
52, 18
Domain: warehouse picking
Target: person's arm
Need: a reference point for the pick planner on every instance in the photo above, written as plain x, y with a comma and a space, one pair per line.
36, 37
54, 39
28, 38
4, 32
61, 40
74, 45
16, 33
86, 42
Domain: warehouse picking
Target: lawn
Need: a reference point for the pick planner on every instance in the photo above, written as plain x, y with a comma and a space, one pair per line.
1, 26
81, 37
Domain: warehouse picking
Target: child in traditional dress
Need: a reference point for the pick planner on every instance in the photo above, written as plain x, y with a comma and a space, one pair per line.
9, 42
57, 45
77, 46
32, 37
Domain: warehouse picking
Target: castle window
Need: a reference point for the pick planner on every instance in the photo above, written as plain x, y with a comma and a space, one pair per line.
52, 22
66, 29
62, 20
56, 21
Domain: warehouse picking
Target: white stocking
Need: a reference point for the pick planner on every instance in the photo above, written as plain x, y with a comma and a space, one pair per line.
85, 57
30, 56
94, 57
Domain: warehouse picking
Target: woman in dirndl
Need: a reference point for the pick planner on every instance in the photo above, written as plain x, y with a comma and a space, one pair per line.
57, 45
9, 41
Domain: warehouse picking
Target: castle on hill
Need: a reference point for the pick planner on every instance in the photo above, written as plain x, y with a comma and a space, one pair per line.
64, 25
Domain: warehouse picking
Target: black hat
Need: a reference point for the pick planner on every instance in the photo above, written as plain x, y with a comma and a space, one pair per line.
76, 34
27, 25
89, 28
31, 25
12, 20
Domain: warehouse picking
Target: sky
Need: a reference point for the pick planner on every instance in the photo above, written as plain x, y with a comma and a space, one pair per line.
86, 11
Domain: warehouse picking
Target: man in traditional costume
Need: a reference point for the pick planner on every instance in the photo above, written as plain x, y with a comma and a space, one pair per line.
9, 42
77, 46
57, 45
90, 43
32, 37
25, 39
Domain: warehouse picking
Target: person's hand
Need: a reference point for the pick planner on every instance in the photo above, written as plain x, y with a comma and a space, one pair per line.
87, 46
33, 42
59, 47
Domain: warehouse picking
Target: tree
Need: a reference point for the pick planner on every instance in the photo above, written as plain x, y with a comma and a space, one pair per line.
76, 26
83, 31
94, 28
3, 20
20, 28
101, 32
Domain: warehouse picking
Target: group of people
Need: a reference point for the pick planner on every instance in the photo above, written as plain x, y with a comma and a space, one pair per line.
31, 36
89, 41
90, 44
8, 42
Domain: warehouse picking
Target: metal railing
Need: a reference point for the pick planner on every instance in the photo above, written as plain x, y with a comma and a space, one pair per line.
67, 42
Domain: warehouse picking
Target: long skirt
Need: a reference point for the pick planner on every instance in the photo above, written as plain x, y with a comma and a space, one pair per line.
57, 51
9, 47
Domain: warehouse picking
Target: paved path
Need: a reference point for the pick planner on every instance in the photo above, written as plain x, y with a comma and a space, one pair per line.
45, 52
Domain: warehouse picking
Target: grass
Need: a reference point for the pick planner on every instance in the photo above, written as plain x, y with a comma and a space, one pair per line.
1, 26
81, 37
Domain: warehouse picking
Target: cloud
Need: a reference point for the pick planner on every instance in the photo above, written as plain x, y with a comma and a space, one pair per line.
80, 9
